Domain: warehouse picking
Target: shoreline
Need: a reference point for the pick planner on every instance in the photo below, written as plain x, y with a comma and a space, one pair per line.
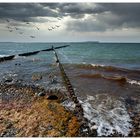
14, 111
33, 112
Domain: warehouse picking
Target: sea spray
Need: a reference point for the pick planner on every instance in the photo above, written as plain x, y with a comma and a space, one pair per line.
133, 82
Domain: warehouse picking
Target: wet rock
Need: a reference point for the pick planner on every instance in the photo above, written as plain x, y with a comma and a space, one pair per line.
8, 80
52, 97
36, 77
94, 127
26, 113
17, 64
41, 94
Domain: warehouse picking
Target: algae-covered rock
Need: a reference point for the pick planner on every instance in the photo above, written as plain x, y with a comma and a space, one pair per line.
36, 77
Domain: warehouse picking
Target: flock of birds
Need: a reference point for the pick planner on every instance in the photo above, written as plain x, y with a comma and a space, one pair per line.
21, 32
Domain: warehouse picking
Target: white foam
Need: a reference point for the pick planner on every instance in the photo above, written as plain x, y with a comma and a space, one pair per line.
90, 97
97, 65
69, 104
83, 62
2, 55
108, 113
133, 82
17, 56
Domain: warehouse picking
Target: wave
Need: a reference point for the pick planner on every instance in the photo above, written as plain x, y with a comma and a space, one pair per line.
107, 113
114, 78
120, 79
133, 82
104, 68
2, 55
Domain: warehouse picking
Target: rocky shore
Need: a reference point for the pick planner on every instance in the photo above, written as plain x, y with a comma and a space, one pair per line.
28, 111
32, 111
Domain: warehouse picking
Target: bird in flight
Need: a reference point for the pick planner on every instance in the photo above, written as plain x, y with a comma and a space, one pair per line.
53, 27
20, 32
8, 27
32, 36
49, 29
57, 26
16, 28
37, 28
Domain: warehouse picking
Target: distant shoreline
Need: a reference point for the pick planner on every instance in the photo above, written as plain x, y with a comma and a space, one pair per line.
76, 42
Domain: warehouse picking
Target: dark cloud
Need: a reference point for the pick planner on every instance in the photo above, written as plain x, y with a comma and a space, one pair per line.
127, 13
86, 26
25, 11
109, 16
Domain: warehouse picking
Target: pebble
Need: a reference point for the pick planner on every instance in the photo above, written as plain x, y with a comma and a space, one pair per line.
8, 80
41, 94
94, 127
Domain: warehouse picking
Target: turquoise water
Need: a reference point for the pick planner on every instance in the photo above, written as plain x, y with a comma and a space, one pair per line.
125, 55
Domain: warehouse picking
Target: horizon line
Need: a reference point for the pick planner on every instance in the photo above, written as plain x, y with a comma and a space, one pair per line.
66, 42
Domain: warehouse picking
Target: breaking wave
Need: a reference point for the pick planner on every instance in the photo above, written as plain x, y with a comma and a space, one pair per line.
104, 67
108, 113
2, 55
118, 78
133, 82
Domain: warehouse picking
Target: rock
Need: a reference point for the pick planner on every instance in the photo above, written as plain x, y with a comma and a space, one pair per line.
23, 114
8, 80
94, 127
36, 77
41, 94
52, 97
9, 125
17, 64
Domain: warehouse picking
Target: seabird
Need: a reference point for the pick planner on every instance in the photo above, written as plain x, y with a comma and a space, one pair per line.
53, 27
16, 28
37, 28
8, 27
49, 29
20, 32
57, 26
32, 36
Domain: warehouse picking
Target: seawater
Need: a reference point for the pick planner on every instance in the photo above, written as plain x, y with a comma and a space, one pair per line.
94, 69
117, 54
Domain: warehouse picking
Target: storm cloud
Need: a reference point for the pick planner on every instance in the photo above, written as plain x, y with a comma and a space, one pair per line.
25, 11
83, 17
107, 16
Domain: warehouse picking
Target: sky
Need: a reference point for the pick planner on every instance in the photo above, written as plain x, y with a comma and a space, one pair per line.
69, 22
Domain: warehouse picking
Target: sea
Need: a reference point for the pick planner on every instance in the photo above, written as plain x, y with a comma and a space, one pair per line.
105, 77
